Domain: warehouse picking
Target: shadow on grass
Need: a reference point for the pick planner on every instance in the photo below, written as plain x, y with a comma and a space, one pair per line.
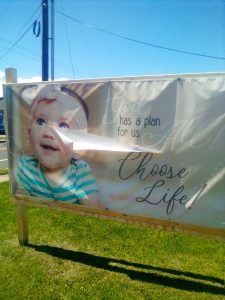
151, 274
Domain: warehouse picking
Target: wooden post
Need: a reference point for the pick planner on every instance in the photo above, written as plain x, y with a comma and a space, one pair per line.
22, 224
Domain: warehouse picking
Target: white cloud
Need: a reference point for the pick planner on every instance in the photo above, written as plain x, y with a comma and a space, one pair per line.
38, 79
24, 80
32, 79
2, 75
62, 79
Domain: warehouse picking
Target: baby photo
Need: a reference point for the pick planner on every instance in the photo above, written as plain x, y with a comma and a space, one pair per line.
53, 170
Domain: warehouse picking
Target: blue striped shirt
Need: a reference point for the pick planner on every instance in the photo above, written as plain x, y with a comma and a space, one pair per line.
77, 181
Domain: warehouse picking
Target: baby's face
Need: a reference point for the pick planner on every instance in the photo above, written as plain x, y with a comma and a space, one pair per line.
51, 152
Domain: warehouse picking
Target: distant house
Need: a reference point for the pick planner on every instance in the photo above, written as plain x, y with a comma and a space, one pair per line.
2, 129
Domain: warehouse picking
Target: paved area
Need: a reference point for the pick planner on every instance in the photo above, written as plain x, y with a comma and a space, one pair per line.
3, 156
3, 161
4, 178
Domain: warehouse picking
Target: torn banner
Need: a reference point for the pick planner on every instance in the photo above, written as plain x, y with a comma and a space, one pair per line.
152, 146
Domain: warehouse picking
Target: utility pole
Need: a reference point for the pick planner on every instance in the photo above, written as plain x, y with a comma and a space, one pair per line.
45, 40
52, 39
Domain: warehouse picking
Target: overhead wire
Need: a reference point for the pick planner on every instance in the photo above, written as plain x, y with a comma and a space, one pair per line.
33, 55
67, 67
16, 42
30, 52
25, 49
139, 41
37, 10
68, 41
22, 35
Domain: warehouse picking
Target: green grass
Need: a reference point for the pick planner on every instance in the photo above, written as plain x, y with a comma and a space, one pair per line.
3, 171
77, 257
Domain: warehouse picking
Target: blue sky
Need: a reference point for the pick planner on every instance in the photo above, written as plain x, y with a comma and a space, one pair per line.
83, 51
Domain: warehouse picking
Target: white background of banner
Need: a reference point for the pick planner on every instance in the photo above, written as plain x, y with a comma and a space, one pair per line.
181, 121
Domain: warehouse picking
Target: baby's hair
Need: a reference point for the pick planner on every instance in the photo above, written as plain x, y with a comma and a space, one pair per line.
37, 94
77, 97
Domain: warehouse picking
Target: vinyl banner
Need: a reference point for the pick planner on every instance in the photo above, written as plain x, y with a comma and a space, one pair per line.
149, 147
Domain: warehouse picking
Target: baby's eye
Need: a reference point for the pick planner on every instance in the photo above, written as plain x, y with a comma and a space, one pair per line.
40, 121
63, 125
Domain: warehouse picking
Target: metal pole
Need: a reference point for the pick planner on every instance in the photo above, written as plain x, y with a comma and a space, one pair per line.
52, 39
44, 40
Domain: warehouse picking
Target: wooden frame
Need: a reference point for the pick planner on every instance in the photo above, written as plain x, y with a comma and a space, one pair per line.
23, 202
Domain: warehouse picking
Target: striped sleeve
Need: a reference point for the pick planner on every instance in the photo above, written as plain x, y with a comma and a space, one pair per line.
86, 183
22, 176
29, 179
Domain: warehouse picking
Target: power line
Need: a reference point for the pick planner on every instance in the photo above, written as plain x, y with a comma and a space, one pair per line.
16, 42
68, 42
23, 34
38, 9
32, 54
139, 41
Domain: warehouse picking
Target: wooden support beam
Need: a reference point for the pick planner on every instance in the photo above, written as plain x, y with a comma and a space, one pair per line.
22, 223
21, 209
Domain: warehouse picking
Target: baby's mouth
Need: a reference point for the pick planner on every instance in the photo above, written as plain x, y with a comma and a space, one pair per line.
49, 147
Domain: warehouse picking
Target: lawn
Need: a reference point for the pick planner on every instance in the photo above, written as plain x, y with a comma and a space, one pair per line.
3, 171
78, 257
